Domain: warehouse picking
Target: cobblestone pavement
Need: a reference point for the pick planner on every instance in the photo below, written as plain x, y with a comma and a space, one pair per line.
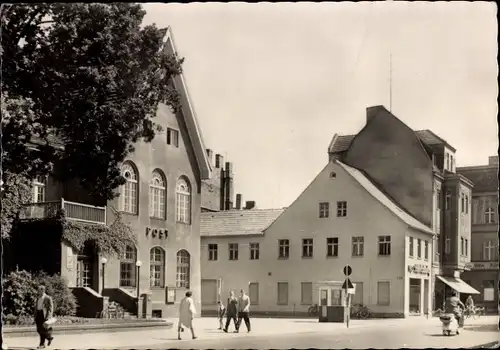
286, 333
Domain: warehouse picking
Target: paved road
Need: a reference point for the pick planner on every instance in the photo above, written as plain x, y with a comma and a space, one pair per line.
284, 334
393, 337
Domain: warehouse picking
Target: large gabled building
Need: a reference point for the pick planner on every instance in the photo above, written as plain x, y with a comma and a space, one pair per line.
161, 202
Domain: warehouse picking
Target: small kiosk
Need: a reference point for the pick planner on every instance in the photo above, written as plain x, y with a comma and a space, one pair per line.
333, 301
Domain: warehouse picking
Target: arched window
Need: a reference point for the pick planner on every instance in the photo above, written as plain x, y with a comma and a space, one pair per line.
39, 186
157, 267
183, 194
183, 269
489, 251
157, 195
129, 190
127, 267
489, 215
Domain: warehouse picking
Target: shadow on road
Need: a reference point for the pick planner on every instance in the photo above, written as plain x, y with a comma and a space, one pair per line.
306, 321
482, 328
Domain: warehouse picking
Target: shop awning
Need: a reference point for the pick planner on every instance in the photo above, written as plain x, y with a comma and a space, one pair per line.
458, 285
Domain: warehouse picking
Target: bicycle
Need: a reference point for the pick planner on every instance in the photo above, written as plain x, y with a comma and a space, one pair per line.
360, 311
313, 310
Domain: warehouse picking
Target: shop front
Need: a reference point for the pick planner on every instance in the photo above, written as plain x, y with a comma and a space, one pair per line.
448, 284
484, 276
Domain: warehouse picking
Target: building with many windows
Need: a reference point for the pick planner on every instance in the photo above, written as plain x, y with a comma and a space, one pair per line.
483, 274
161, 202
389, 203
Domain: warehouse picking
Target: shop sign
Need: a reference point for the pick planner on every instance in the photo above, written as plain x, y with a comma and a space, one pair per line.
419, 269
487, 265
156, 232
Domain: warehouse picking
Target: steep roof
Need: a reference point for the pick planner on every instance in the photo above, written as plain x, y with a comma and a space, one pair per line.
484, 178
384, 199
341, 143
237, 222
189, 114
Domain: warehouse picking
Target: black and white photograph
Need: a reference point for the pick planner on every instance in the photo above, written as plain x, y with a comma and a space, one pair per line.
241, 175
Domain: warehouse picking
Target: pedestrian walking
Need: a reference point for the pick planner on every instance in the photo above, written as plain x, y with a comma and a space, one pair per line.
187, 311
44, 319
221, 310
231, 311
244, 310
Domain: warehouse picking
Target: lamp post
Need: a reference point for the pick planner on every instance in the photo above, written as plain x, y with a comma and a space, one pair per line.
138, 264
103, 263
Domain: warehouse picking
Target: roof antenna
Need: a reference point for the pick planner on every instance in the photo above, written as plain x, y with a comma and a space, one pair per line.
390, 82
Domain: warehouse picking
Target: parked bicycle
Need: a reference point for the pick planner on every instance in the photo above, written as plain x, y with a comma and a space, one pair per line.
360, 311
313, 310
112, 310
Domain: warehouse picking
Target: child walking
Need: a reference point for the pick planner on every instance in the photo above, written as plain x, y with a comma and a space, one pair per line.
221, 311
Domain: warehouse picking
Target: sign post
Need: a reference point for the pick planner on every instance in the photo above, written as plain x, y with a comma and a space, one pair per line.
346, 286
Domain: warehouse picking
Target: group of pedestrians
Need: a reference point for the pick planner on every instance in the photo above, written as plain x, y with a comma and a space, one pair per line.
237, 309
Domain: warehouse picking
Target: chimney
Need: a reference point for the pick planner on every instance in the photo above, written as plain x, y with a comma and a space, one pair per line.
228, 179
219, 160
238, 201
493, 160
210, 156
372, 112
249, 205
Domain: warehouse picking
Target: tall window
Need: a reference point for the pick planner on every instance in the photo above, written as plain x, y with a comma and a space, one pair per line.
447, 162
489, 290
157, 267
183, 193
466, 204
183, 269
447, 245
129, 190
426, 250
462, 246
127, 267
447, 201
253, 293
452, 163
332, 246
282, 293
307, 248
233, 251
384, 245
157, 196
254, 251
489, 216
284, 249
324, 210
419, 248
466, 251
438, 200
306, 293
383, 293
39, 186
213, 252
462, 202
411, 247
342, 209
489, 251
358, 246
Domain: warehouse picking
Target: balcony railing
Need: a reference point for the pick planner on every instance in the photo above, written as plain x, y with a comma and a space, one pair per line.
74, 211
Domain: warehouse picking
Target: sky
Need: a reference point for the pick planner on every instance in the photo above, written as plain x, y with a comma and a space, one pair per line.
271, 83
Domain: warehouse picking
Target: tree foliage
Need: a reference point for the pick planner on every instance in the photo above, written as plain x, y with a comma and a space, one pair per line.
86, 76
16, 190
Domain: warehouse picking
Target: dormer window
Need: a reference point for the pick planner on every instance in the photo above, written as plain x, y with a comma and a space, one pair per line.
452, 163
447, 165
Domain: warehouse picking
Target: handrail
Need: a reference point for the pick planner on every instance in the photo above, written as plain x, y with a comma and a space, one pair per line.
83, 205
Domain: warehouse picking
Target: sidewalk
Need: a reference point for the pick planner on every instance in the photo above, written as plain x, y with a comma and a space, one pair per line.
206, 328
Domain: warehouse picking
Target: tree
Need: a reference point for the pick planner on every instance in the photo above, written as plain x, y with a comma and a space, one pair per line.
85, 80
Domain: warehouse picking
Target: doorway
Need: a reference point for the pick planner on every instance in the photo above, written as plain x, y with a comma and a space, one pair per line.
86, 274
415, 296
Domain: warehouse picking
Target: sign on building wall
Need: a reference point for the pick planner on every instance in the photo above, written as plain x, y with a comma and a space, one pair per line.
419, 269
69, 258
487, 265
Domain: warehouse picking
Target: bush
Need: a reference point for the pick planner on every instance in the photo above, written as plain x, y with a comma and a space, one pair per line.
57, 287
20, 293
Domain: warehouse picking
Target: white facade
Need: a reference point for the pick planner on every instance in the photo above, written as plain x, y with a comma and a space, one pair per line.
357, 226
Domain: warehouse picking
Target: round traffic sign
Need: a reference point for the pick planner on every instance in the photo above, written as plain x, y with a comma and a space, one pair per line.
347, 270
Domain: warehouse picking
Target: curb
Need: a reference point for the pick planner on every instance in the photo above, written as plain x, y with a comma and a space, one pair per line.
92, 328
491, 345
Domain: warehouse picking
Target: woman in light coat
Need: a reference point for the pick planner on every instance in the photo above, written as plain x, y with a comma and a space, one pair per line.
187, 311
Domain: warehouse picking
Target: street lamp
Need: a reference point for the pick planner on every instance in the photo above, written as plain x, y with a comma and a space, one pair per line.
138, 264
103, 262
